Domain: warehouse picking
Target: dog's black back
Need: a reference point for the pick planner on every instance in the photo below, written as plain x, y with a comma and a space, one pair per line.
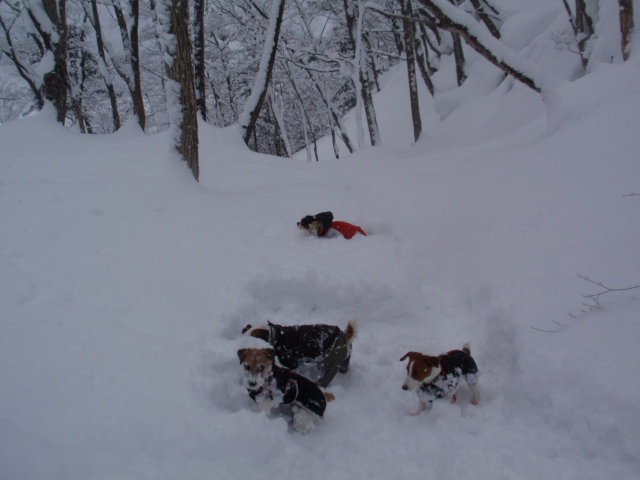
304, 342
457, 359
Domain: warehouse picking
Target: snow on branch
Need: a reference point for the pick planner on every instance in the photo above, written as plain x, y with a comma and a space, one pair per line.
249, 115
448, 17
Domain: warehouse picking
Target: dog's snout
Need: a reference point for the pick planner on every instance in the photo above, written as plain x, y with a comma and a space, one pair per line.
404, 387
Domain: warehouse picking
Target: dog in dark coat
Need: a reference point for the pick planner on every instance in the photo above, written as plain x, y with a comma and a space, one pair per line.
325, 345
270, 386
438, 377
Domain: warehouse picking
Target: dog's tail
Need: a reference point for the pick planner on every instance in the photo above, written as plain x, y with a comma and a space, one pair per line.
466, 348
330, 396
352, 331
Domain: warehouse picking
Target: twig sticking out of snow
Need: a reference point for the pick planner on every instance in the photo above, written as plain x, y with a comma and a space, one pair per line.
595, 297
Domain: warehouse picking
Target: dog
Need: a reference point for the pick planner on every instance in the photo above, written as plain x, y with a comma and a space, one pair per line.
438, 377
270, 386
325, 345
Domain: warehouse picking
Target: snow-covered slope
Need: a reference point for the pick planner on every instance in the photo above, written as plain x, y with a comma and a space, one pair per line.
125, 285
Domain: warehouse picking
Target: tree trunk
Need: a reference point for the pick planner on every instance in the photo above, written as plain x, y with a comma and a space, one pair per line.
626, 26
131, 47
409, 41
459, 56
107, 77
199, 57
183, 98
354, 31
422, 60
56, 83
249, 116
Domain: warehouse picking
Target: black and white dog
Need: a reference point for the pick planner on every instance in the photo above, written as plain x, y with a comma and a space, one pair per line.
325, 345
438, 377
270, 386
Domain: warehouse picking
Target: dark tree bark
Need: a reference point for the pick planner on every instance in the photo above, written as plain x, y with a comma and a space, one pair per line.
263, 87
56, 83
180, 70
626, 26
409, 41
138, 101
459, 56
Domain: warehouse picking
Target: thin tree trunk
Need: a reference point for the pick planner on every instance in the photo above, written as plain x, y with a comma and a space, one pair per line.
409, 41
180, 70
56, 83
279, 120
199, 57
459, 56
422, 60
336, 118
107, 77
249, 117
626, 26
131, 47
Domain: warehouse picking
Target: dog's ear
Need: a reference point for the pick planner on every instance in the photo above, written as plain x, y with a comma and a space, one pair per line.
261, 333
241, 354
248, 327
409, 355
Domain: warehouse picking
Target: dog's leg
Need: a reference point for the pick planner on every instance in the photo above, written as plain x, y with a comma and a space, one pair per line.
422, 407
475, 400
472, 383
303, 420
332, 364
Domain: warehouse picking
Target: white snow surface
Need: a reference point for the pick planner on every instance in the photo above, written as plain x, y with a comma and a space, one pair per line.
125, 285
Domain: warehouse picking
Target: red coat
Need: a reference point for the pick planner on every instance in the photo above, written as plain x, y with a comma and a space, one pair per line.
346, 229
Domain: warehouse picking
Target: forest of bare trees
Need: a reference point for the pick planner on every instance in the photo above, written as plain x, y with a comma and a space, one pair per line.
285, 71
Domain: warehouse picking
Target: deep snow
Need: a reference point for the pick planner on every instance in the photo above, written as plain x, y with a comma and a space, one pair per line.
125, 285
